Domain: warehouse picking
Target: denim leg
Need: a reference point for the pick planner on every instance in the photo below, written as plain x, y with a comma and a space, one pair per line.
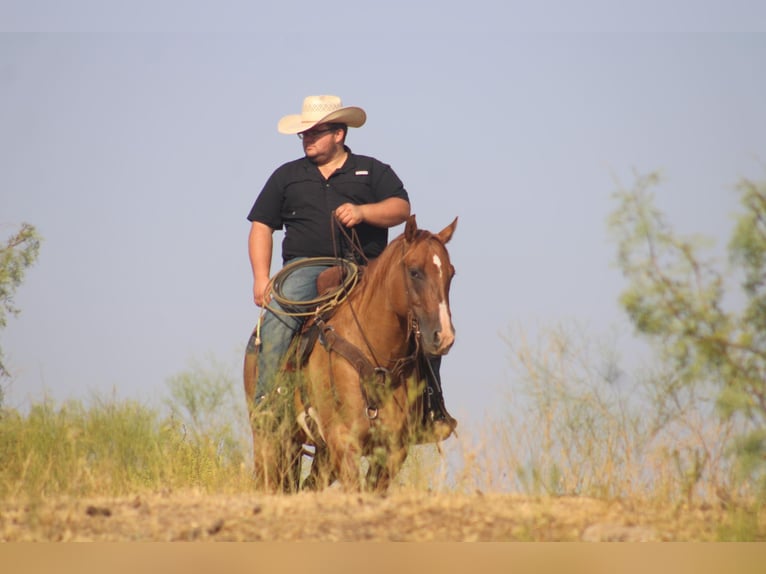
277, 329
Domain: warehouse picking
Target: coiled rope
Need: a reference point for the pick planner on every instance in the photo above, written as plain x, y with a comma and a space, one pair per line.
307, 308
323, 302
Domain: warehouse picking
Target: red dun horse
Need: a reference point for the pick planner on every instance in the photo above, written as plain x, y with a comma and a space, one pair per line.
359, 392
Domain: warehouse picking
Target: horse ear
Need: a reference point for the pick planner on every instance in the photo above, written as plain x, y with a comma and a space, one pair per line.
446, 234
411, 228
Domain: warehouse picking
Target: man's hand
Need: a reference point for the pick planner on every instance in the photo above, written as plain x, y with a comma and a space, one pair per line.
349, 214
386, 213
259, 290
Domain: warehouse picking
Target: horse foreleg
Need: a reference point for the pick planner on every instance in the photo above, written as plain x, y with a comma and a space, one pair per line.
384, 466
290, 464
345, 458
321, 474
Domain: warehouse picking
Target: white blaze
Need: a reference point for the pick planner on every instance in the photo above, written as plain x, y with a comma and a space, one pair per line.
438, 263
448, 336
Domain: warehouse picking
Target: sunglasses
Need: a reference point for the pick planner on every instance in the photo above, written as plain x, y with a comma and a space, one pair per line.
317, 133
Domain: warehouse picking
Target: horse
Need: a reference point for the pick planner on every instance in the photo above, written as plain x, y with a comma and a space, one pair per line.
359, 392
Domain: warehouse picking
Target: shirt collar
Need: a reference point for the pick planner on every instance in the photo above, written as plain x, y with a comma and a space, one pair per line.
348, 165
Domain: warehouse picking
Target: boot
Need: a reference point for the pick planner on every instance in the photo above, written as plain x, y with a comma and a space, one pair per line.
438, 424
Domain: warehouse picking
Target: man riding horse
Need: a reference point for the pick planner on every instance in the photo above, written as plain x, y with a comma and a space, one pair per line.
364, 197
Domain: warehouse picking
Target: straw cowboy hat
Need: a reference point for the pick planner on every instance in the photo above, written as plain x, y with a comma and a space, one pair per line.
321, 110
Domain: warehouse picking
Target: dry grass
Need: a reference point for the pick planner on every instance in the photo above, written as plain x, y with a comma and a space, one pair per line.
338, 516
587, 428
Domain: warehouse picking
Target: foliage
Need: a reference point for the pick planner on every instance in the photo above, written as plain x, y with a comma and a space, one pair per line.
19, 253
204, 403
676, 298
577, 415
582, 426
117, 447
107, 448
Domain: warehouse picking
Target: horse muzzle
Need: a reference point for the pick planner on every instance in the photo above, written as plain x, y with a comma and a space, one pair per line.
439, 342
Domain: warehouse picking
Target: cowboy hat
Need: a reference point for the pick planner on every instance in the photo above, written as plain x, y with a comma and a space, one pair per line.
321, 110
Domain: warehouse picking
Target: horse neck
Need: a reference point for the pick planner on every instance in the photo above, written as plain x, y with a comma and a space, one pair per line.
373, 305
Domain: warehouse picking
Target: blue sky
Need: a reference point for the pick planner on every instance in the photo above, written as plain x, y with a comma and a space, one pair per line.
136, 139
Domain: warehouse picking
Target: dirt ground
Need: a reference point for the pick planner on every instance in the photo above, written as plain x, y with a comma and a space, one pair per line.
336, 516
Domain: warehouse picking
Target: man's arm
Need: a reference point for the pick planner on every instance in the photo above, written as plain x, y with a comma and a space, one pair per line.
386, 213
260, 245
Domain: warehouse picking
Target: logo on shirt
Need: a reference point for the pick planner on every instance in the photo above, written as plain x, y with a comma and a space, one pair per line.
362, 172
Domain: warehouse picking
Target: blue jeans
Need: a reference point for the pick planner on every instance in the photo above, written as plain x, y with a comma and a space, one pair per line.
277, 329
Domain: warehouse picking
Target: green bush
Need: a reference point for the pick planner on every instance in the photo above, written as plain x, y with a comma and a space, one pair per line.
111, 448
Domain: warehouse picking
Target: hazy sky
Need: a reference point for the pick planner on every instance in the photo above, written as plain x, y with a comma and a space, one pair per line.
137, 141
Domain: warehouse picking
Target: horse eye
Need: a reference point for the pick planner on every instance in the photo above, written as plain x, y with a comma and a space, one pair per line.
415, 273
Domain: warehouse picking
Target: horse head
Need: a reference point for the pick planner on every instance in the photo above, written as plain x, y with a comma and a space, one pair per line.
427, 277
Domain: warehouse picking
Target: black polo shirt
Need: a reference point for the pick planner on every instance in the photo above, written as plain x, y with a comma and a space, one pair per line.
298, 198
